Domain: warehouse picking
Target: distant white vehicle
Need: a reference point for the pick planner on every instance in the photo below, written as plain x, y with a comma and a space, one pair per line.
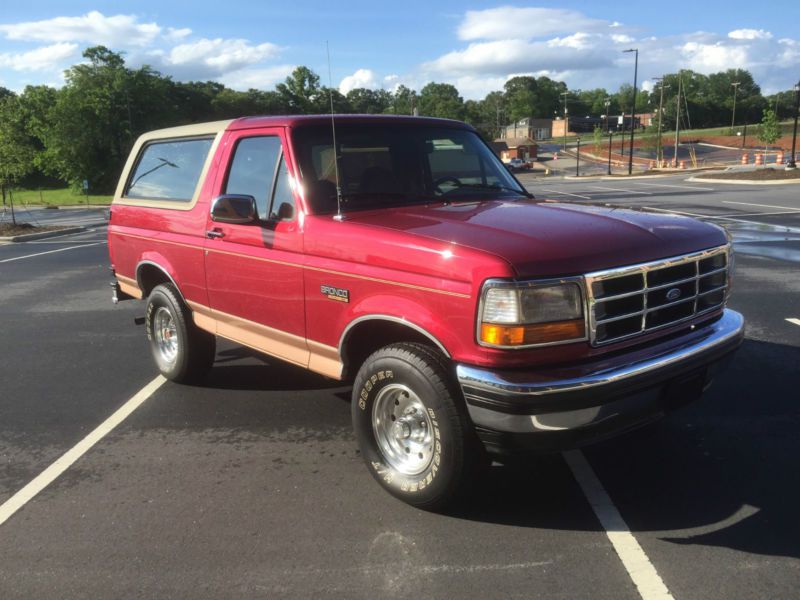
517, 163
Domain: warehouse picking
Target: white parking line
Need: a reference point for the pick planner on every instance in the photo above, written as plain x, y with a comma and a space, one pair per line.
51, 473
794, 321
722, 217
610, 189
670, 185
51, 252
758, 214
567, 194
644, 575
676, 212
789, 208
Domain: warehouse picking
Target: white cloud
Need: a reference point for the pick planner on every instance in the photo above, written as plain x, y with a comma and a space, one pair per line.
508, 22
501, 57
260, 79
621, 38
750, 34
221, 55
175, 35
585, 52
708, 58
576, 41
40, 59
92, 28
362, 78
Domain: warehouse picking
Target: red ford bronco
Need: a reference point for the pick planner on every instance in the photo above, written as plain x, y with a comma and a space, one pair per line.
471, 317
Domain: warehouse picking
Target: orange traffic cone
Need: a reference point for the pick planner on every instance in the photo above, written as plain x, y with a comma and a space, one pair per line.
759, 159
779, 158
745, 158
683, 164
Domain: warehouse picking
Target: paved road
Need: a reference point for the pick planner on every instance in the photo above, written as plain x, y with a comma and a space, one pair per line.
250, 485
61, 216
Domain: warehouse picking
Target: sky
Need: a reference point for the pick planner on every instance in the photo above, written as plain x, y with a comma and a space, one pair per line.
474, 45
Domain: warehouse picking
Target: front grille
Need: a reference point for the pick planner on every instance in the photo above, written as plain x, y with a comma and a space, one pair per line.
630, 301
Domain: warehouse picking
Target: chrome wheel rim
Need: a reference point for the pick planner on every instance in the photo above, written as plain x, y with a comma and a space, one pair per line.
166, 334
403, 429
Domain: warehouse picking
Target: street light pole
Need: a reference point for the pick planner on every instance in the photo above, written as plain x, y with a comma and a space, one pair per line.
660, 148
607, 104
566, 120
610, 135
633, 107
735, 85
578, 161
792, 164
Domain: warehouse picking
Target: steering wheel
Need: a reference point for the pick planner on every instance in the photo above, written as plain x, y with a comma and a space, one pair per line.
438, 182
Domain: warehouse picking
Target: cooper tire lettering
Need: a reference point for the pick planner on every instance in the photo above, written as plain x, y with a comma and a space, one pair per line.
414, 378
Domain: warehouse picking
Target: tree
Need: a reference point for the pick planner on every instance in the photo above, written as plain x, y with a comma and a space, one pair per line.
769, 131
533, 97
404, 101
300, 90
16, 149
597, 139
369, 102
441, 100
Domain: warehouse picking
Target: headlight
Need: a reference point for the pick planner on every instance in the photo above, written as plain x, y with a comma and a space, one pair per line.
515, 315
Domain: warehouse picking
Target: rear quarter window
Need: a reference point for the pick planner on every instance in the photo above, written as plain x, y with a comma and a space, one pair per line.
169, 170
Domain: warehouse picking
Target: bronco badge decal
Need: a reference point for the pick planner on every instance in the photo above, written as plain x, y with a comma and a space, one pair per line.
334, 293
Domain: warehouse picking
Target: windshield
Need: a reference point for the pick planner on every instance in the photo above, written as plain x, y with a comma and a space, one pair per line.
394, 165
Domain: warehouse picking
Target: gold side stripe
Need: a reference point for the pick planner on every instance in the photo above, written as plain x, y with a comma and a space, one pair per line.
128, 280
298, 350
386, 281
307, 267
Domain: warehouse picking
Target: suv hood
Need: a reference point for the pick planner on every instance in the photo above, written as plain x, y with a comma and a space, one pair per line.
551, 239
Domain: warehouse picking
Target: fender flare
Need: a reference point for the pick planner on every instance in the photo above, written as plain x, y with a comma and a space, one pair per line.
160, 268
379, 317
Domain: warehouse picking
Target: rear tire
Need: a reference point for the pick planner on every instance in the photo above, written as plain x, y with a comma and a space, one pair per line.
182, 351
411, 428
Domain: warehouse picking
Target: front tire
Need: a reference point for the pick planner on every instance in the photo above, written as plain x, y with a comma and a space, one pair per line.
182, 352
410, 426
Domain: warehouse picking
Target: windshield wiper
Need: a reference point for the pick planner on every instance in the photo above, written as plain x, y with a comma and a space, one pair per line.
494, 186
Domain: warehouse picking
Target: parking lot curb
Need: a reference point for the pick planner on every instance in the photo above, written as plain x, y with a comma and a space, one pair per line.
29, 237
744, 181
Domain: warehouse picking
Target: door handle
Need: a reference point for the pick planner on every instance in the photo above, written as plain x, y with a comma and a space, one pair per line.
214, 233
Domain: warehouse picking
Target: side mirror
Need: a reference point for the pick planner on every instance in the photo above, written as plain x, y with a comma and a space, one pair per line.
234, 208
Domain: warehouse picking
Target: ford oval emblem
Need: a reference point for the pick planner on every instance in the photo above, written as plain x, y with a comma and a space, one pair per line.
673, 294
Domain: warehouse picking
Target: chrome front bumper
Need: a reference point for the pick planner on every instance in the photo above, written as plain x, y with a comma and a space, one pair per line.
608, 395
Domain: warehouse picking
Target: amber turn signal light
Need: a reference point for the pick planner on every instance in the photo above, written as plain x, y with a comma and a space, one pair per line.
536, 333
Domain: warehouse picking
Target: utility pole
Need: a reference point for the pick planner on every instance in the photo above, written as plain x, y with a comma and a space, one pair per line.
578, 161
792, 163
660, 148
610, 135
607, 104
678, 118
633, 107
497, 107
735, 85
566, 119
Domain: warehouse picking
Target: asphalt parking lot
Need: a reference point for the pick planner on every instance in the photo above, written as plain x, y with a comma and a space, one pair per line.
250, 485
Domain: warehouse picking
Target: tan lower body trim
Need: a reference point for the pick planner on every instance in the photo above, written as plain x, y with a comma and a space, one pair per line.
129, 286
291, 348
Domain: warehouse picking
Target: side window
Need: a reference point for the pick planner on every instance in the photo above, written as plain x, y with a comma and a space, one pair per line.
169, 170
253, 170
283, 200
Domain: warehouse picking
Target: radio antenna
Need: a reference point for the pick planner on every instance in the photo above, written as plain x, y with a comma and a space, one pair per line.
339, 216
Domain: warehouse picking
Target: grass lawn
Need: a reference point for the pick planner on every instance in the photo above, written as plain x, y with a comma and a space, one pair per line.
59, 197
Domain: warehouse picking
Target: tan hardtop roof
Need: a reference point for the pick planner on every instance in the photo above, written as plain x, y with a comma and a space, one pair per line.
211, 127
